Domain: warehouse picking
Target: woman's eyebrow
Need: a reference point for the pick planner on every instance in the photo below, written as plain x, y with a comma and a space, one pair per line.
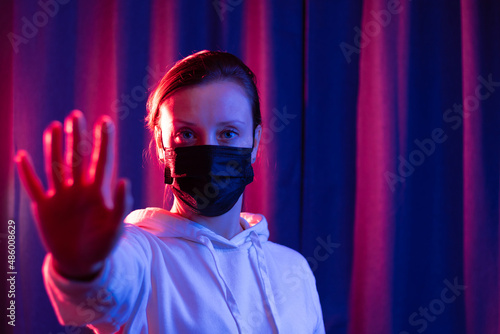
183, 122
232, 122
223, 123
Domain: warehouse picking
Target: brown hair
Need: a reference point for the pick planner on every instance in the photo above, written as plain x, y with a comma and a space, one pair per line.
203, 67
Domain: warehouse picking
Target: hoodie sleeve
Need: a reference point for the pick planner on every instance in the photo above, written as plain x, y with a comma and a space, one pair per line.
106, 302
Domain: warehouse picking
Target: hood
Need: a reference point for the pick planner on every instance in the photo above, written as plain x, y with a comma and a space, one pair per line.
163, 223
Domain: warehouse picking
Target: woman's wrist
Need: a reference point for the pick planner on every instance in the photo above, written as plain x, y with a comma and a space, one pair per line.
78, 273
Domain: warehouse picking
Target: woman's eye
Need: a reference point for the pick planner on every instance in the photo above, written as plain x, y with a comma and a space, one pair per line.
228, 134
185, 135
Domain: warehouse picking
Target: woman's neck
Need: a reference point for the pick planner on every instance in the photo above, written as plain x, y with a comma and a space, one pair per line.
226, 225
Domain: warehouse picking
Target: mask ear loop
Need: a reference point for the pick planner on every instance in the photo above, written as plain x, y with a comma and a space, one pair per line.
159, 141
167, 192
243, 206
253, 146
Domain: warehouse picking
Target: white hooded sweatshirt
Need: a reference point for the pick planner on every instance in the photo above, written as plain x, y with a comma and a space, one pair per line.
172, 275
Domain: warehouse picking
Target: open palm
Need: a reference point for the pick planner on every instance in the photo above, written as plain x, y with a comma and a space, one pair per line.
79, 217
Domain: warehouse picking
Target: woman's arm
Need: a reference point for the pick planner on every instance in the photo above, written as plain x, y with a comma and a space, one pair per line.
110, 299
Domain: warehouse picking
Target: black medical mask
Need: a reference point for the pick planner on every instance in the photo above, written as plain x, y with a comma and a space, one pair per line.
209, 178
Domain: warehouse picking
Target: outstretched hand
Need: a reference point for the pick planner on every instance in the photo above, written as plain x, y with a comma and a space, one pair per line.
79, 217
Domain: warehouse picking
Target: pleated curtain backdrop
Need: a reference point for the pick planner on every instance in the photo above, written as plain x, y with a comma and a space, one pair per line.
380, 151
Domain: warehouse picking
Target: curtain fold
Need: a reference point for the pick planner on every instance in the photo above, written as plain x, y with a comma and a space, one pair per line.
377, 138
481, 80
380, 155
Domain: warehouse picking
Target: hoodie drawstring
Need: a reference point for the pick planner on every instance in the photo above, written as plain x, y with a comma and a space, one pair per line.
230, 300
269, 304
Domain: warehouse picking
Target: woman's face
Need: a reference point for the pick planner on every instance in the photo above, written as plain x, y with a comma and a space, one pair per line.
215, 113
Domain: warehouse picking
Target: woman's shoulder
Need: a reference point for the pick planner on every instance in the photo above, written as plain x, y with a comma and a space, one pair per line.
285, 253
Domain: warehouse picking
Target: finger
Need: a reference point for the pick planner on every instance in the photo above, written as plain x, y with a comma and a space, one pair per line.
54, 166
123, 200
74, 125
28, 177
122, 205
104, 151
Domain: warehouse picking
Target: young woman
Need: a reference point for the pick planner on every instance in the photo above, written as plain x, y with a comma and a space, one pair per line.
202, 267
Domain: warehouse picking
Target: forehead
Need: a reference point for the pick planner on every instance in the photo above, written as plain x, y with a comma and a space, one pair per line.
207, 104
